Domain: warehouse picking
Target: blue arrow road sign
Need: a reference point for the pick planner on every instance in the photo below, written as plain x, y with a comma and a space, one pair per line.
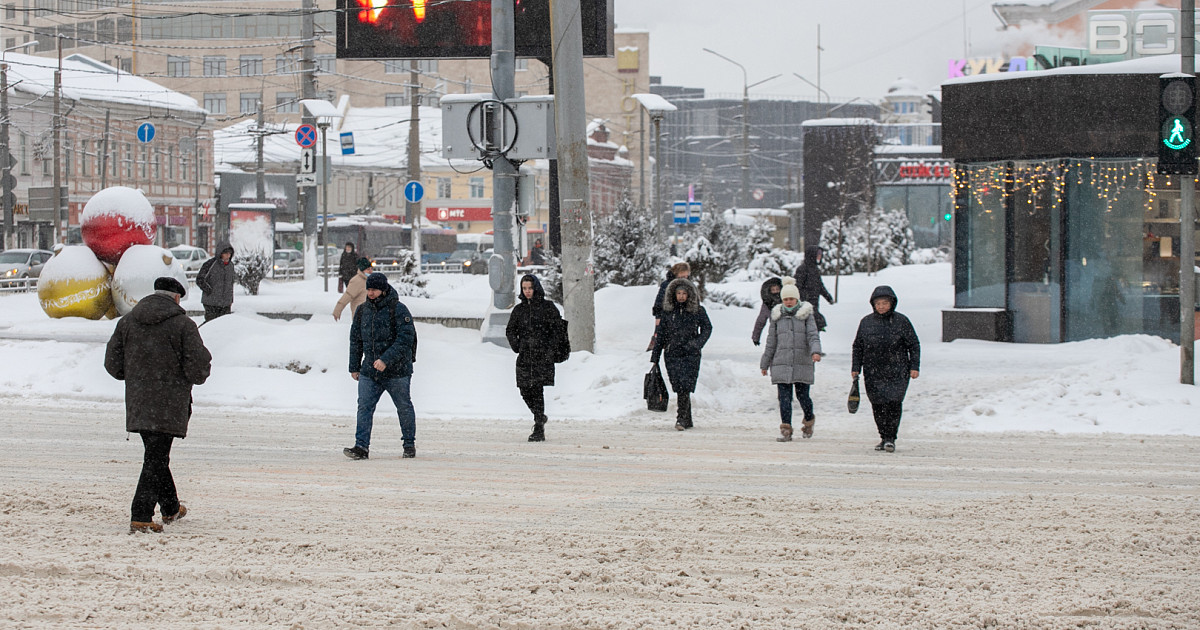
306, 135
145, 132
414, 191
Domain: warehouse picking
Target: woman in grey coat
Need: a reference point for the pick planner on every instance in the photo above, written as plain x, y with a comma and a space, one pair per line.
792, 349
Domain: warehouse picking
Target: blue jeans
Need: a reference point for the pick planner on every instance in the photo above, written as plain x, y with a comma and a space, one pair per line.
369, 391
785, 401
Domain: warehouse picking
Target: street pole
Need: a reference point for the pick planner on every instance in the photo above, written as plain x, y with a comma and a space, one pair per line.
260, 184
6, 191
658, 206
328, 177
1187, 221
642, 150
501, 267
60, 214
104, 155
308, 90
745, 157
414, 158
570, 122
196, 182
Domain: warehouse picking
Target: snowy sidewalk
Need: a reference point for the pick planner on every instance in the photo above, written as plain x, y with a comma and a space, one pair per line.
610, 524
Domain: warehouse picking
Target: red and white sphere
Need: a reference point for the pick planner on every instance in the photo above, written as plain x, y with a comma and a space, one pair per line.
116, 219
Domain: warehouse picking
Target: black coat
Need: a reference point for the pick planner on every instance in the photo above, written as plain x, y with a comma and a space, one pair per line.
534, 333
886, 349
680, 336
348, 265
656, 310
808, 279
159, 354
383, 329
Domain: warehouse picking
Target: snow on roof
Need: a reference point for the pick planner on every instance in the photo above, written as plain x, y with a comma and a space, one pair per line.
380, 140
904, 87
84, 78
746, 217
837, 122
1157, 65
654, 102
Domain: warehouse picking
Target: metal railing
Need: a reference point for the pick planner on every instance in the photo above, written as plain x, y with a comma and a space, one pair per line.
18, 285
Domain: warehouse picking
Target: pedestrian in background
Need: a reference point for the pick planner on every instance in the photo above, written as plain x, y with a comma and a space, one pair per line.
811, 286
534, 333
791, 353
215, 280
537, 255
157, 350
680, 336
769, 292
347, 266
356, 290
888, 353
677, 270
383, 346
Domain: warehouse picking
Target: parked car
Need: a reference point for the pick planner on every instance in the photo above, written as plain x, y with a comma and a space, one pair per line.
23, 263
190, 257
472, 262
288, 263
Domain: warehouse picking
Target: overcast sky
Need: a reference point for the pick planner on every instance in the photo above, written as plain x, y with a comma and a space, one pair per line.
868, 43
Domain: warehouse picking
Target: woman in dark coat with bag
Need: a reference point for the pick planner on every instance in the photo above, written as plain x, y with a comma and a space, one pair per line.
888, 353
681, 334
535, 333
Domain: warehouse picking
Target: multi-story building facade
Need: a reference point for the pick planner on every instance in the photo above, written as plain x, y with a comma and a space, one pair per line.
116, 130
230, 59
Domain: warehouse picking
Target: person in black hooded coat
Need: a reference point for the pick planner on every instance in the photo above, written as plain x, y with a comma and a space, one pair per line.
534, 332
888, 353
809, 282
347, 266
770, 297
680, 336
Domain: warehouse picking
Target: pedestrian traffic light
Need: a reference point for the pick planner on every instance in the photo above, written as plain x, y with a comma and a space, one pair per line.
947, 216
428, 29
1177, 124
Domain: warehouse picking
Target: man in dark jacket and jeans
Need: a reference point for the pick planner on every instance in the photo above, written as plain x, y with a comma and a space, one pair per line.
157, 350
383, 345
215, 280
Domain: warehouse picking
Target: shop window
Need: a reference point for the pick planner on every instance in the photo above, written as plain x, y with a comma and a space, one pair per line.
984, 246
1035, 290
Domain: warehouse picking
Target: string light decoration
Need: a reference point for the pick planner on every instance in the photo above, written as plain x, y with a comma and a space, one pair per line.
1108, 179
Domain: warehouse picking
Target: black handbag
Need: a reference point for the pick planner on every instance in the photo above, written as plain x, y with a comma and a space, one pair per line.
852, 400
654, 390
562, 349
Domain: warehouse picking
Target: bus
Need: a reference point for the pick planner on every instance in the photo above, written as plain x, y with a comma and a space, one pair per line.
370, 236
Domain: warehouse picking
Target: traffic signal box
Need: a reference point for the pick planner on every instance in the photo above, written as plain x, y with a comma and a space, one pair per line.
1177, 124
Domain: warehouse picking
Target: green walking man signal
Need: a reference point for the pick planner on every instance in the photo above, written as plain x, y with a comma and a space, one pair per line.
1176, 124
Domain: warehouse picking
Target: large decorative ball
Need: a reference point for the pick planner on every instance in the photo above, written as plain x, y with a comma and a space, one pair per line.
74, 283
135, 274
114, 220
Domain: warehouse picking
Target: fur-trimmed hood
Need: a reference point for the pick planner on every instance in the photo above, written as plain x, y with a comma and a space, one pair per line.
804, 311
768, 298
693, 302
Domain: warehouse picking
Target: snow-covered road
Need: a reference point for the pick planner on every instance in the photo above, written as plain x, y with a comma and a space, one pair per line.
611, 524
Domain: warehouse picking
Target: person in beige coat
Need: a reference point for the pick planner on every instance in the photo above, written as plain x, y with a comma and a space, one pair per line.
356, 290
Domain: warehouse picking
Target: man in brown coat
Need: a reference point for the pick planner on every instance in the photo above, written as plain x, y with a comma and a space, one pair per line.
157, 350
356, 291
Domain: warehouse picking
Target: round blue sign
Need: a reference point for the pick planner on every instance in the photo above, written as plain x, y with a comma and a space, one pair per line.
306, 136
414, 191
145, 132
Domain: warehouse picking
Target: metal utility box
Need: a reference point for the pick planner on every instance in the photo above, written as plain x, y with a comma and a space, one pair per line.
526, 123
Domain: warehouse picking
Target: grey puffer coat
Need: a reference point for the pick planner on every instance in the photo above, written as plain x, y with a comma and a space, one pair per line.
216, 279
791, 342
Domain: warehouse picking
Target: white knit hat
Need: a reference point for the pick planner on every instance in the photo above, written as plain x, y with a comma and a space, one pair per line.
789, 289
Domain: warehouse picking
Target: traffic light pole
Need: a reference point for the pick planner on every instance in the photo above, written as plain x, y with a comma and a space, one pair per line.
6, 167
1187, 221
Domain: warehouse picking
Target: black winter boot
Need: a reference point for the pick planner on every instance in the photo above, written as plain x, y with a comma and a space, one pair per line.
539, 431
684, 412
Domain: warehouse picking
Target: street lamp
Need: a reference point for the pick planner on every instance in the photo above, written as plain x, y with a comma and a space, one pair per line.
325, 113
745, 157
657, 107
6, 182
816, 85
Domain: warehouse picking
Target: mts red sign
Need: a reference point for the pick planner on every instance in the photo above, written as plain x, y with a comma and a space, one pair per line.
458, 214
927, 170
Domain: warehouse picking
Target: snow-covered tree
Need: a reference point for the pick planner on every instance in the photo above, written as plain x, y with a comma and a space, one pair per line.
407, 283
729, 241
706, 263
249, 269
774, 262
627, 249
870, 241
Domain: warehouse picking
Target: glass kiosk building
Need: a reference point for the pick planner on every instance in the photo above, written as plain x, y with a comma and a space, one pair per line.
1063, 228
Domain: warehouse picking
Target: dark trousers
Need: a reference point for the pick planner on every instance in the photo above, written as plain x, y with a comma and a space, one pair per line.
535, 399
213, 312
684, 412
887, 419
785, 401
155, 485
